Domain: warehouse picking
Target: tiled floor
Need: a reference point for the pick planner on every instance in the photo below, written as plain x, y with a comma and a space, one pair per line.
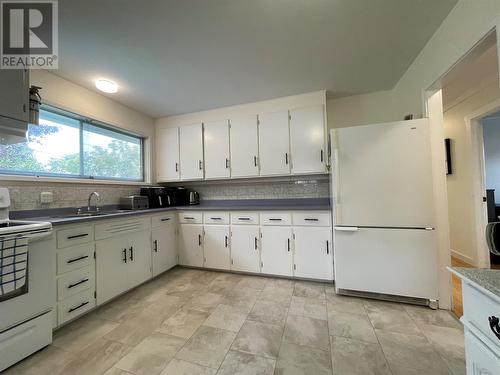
201, 322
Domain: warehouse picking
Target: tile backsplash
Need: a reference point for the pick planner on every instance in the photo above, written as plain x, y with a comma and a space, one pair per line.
26, 196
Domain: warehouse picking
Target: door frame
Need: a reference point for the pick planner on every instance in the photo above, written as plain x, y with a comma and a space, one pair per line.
475, 155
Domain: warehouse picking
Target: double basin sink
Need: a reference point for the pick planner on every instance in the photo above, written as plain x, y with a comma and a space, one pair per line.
89, 214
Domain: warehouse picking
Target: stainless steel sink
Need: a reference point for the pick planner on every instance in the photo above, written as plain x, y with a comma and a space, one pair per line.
90, 214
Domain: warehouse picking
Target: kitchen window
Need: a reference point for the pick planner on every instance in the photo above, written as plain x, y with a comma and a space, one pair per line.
72, 146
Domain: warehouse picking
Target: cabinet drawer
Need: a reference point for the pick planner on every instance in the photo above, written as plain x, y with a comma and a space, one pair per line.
75, 282
75, 306
75, 236
275, 218
477, 308
191, 217
114, 228
480, 359
216, 217
312, 218
245, 218
74, 258
159, 220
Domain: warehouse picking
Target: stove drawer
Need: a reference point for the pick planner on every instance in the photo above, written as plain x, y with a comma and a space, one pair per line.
74, 258
75, 306
75, 236
75, 282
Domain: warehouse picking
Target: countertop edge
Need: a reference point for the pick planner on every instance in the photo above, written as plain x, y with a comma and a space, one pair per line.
485, 289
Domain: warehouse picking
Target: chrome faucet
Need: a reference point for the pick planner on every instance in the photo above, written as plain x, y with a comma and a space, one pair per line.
97, 208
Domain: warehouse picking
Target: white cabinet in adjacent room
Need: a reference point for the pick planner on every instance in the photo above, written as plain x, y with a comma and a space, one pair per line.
313, 256
191, 152
276, 250
307, 140
191, 245
167, 151
216, 146
14, 94
164, 241
216, 247
245, 253
244, 146
274, 144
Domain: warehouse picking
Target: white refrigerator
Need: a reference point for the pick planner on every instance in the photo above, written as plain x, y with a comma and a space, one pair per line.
384, 231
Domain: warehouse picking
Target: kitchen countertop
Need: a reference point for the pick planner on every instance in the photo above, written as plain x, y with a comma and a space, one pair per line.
487, 279
59, 216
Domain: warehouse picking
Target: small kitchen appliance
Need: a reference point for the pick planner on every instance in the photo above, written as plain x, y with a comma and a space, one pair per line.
194, 197
157, 196
134, 202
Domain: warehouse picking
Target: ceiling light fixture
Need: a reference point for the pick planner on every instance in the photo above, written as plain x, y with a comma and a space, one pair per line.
106, 85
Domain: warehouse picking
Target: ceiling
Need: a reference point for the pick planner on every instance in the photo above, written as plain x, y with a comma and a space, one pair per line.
179, 56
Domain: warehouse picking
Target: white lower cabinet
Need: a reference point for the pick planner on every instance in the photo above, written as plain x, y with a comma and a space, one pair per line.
276, 250
313, 257
191, 245
164, 255
245, 252
216, 247
122, 262
480, 359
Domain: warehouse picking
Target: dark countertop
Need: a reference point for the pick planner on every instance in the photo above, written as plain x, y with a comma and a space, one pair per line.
58, 216
487, 279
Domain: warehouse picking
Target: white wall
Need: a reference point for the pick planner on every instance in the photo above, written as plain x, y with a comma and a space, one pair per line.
64, 94
491, 134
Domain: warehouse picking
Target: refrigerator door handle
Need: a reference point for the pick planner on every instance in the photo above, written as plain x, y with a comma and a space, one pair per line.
347, 229
336, 175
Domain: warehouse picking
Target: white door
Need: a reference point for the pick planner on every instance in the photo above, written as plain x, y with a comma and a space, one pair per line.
164, 248
111, 268
313, 256
307, 140
245, 253
276, 251
216, 145
274, 144
391, 261
216, 247
191, 245
139, 258
244, 146
191, 152
167, 151
383, 175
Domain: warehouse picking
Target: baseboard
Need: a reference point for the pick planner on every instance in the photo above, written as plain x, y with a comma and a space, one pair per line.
464, 258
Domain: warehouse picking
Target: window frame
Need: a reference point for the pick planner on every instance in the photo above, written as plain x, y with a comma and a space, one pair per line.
61, 177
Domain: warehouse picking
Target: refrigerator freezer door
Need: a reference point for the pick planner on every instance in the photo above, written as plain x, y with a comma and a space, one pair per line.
383, 175
390, 261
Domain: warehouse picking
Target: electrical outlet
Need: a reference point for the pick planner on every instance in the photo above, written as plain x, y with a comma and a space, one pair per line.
46, 197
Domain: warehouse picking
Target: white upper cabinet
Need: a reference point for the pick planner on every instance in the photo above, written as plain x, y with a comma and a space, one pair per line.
244, 146
307, 140
216, 138
274, 144
167, 154
191, 152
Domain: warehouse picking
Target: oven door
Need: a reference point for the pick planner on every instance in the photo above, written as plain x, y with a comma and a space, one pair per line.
38, 295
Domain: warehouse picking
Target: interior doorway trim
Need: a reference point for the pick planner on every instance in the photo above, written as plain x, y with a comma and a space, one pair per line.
475, 156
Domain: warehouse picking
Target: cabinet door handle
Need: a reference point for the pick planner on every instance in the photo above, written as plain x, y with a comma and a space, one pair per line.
288, 244
255, 161
215, 218
495, 325
188, 218
78, 307
165, 219
286, 158
177, 167
78, 283
244, 218
200, 165
321, 156
124, 252
76, 259
225, 241
156, 246
77, 236
327, 247
272, 219
131, 253
227, 163
311, 219
199, 239
256, 244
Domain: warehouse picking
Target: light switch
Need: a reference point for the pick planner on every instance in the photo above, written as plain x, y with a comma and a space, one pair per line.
46, 197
